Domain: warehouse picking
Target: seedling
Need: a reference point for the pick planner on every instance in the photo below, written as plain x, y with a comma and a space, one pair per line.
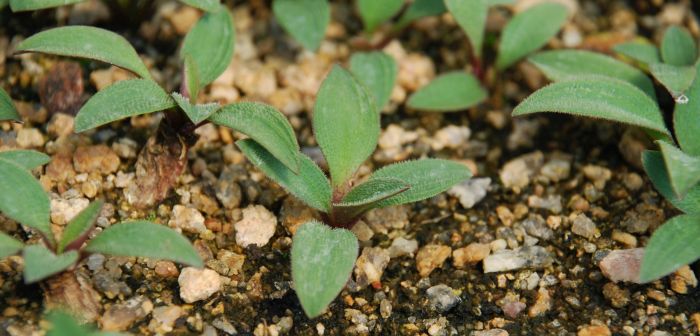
31, 5
599, 86
346, 126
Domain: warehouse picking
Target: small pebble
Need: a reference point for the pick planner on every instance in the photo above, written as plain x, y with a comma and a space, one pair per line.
430, 257
256, 227
198, 284
442, 298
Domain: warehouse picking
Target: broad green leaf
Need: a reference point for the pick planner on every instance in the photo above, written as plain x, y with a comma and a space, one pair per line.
596, 97
191, 79
529, 31
686, 118
377, 72
646, 53
9, 245
655, 167
500, 2
427, 178
420, 9
366, 196
210, 44
559, 65
30, 5
322, 261
7, 108
471, 16
205, 5
346, 124
374, 12
674, 244
305, 20
310, 185
40, 263
683, 169
79, 227
678, 47
676, 79
29, 159
23, 199
86, 42
120, 100
196, 112
264, 124
453, 91
145, 239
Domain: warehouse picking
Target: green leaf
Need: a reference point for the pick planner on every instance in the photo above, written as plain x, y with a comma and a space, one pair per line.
676, 79
322, 261
7, 108
63, 324
674, 244
205, 5
529, 31
560, 65
9, 245
377, 72
374, 13
500, 2
678, 47
686, 118
86, 42
196, 112
210, 44
655, 167
471, 16
427, 178
120, 100
305, 20
645, 53
346, 124
596, 97
79, 227
145, 239
23, 199
310, 185
420, 9
40, 263
366, 196
453, 91
4, 3
683, 169
264, 124
191, 79
30, 5
29, 159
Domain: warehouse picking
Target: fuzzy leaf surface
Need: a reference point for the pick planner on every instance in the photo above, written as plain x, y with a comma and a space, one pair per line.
377, 71
676, 79
453, 91
7, 108
22, 198
471, 16
40, 263
9, 245
674, 244
655, 168
305, 20
374, 13
646, 53
420, 9
322, 261
366, 196
29, 159
310, 185
121, 100
678, 47
30, 5
264, 124
210, 44
191, 79
528, 31
145, 239
683, 169
86, 42
80, 226
346, 124
686, 118
195, 112
205, 5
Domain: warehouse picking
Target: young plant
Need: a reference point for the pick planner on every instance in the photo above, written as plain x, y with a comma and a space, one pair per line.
55, 258
31, 5
598, 86
346, 126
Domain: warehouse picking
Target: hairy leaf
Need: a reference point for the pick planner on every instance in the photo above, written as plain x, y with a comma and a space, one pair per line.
683, 169
374, 13
23, 199
420, 9
120, 100
427, 178
210, 44
264, 124
674, 244
86, 42
205, 5
196, 112
686, 118
40, 263
646, 53
676, 79
655, 168
471, 16
9, 245
377, 72
7, 108
145, 239
453, 91
366, 196
29, 159
30, 5
678, 47
79, 227
529, 31
596, 97
500, 2
322, 261
305, 20
310, 185
191, 79
346, 124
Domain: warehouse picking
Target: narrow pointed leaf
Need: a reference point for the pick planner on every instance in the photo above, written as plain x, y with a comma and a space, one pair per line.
427, 178
674, 244
210, 44
40, 263
121, 100
529, 31
676, 79
29, 159
310, 185
374, 13
655, 168
23, 199
7, 108
420, 9
192, 81
367, 195
9, 245
205, 5
645, 53
322, 261
86, 42
686, 118
560, 65
264, 124
471, 16
30, 5
596, 97
453, 91
683, 169
346, 124
678, 47
80, 226
305, 20
196, 112
377, 72
145, 239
